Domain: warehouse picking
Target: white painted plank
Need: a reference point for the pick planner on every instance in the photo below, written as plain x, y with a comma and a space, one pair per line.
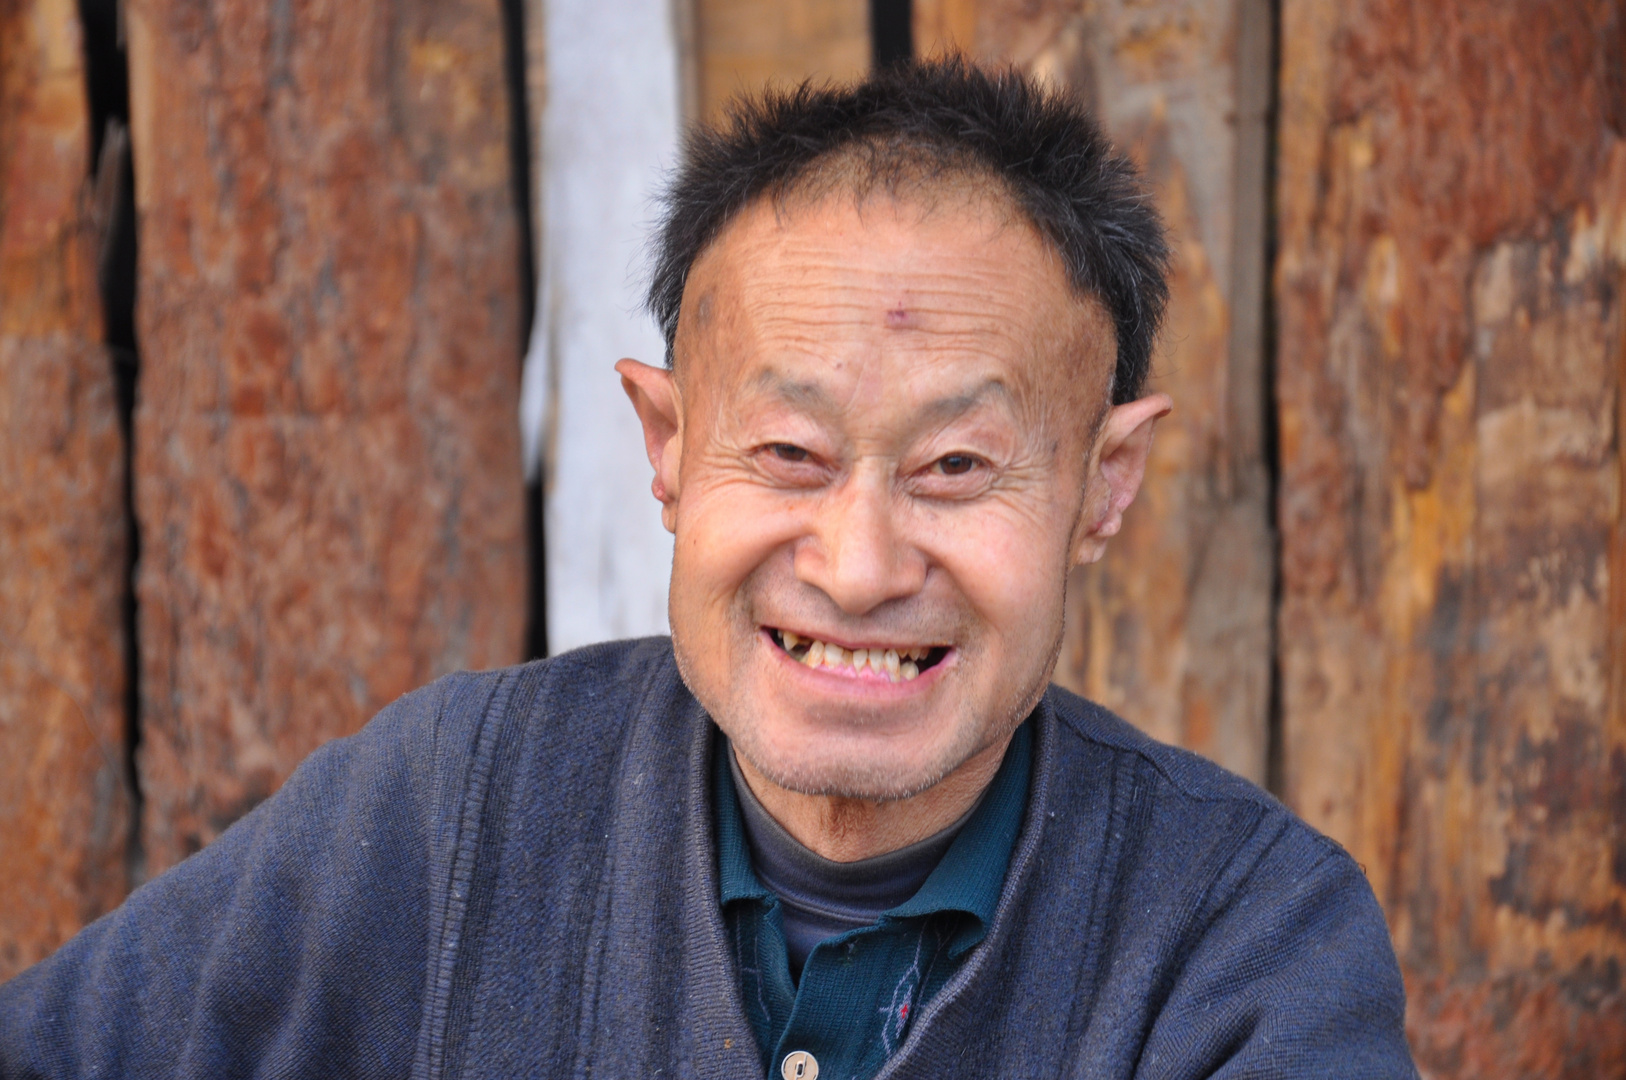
609, 131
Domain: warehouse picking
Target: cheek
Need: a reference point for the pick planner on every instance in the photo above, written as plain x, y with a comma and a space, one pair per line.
1011, 565
725, 532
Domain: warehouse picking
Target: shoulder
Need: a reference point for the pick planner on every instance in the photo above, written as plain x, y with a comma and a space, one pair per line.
435, 748
1192, 800
585, 677
1193, 776
567, 696
615, 673
1214, 876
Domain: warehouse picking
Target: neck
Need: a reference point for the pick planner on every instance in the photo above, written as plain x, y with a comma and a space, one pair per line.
846, 830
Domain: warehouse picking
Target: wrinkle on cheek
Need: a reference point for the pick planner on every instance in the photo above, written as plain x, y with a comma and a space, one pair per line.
1002, 568
1001, 529
732, 475
731, 528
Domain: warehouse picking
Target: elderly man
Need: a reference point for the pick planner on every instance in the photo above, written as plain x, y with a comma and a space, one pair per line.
837, 826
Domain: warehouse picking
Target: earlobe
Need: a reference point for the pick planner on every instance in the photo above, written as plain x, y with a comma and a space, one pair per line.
1116, 469
659, 405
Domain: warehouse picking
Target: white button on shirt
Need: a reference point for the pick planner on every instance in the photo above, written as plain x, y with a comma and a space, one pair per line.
799, 1065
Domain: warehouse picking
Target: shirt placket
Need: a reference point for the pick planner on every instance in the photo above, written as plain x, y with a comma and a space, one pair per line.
852, 1006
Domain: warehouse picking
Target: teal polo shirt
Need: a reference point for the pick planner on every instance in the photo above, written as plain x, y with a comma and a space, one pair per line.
859, 990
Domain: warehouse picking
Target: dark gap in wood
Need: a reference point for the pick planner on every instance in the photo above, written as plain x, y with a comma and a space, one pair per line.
107, 87
107, 74
891, 33
536, 626
520, 129
1269, 429
519, 155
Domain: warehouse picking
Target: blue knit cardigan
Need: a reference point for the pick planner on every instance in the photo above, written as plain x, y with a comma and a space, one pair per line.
512, 873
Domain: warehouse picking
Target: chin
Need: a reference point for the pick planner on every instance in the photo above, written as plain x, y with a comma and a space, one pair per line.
872, 754
871, 768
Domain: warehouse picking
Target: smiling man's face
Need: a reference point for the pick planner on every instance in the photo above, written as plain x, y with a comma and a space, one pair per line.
874, 452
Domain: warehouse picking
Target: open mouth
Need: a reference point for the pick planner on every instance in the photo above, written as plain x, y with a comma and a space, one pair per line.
889, 662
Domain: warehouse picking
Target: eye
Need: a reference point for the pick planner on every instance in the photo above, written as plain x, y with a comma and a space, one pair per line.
788, 452
956, 464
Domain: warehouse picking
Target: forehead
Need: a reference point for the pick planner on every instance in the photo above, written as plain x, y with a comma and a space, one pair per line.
808, 296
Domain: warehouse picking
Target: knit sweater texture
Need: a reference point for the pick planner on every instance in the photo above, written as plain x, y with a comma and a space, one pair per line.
512, 873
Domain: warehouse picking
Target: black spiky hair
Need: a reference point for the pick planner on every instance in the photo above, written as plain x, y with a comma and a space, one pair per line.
942, 117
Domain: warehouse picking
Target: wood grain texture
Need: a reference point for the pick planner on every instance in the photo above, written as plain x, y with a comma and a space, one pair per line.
64, 803
742, 45
1172, 628
327, 466
1452, 216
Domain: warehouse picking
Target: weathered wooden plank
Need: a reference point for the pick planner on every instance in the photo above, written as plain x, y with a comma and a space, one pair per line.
327, 464
1172, 628
1452, 215
944, 25
64, 803
742, 45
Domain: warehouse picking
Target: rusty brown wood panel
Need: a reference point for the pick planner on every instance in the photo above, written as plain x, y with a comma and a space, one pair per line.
534, 19
1452, 216
742, 45
64, 803
1172, 628
326, 448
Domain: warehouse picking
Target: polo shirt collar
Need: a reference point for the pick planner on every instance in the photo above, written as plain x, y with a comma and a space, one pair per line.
972, 873
737, 881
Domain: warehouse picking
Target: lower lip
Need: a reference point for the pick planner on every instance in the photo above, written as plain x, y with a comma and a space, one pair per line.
852, 684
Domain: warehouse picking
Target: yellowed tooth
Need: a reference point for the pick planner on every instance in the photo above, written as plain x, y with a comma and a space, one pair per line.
790, 639
815, 654
909, 670
860, 658
891, 659
834, 655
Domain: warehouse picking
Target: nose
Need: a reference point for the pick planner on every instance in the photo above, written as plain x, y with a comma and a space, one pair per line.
858, 556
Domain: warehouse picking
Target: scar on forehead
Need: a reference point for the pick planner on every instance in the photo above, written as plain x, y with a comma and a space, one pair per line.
702, 308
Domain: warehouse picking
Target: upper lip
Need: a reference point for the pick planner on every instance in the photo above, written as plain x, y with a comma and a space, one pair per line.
850, 645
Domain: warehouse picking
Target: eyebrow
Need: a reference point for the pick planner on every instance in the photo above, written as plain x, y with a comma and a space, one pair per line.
812, 397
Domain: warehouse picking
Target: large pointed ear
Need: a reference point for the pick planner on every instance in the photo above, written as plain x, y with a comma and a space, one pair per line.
1117, 467
659, 404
